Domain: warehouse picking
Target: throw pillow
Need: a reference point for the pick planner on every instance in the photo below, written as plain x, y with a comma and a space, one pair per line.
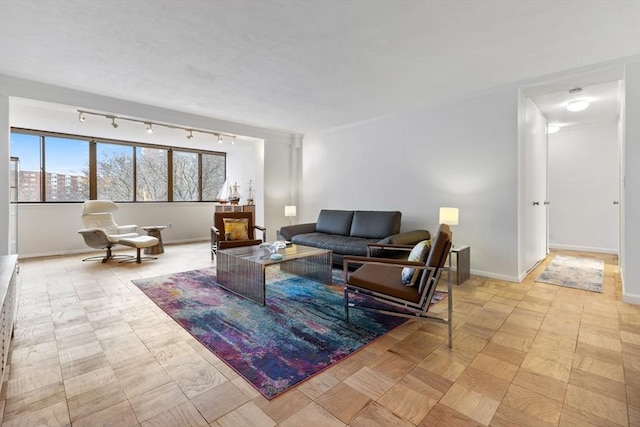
418, 253
236, 229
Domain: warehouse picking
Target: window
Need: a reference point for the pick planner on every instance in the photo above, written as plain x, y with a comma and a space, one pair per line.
68, 168
185, 176
151, 175
213, 175
114, 167
27, 149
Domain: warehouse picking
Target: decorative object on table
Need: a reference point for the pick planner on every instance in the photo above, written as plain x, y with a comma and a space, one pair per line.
274, 247
299, 332
290, 211
223, 195
234, 194
574, 272
250, 193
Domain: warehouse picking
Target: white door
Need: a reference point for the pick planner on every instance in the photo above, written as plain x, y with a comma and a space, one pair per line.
535, 186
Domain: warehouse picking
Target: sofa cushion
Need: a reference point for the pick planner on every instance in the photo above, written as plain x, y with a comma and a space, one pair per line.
375, 224
337, 244
334, 222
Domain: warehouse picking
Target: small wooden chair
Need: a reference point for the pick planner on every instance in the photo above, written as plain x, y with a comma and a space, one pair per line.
380, 279
219, 238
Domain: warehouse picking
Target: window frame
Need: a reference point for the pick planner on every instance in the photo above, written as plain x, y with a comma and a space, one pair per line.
92, 161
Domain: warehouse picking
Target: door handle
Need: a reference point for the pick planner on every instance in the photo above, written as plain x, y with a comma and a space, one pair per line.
536, 203
615, 202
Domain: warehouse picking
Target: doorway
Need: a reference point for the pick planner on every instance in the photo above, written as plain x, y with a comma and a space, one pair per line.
583, 160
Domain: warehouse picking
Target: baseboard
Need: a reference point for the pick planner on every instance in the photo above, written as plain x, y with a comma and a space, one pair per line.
631, 298
584, 249
490, 275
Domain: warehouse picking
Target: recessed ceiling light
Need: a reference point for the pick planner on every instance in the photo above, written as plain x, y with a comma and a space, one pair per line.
577, 105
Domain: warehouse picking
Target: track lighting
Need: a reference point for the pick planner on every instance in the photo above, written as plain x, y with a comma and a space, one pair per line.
82, 114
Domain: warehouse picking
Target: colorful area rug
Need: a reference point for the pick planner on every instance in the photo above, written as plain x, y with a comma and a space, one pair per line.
574, 272
299, 332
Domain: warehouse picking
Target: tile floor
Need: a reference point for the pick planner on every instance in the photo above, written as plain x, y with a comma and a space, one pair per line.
90, 349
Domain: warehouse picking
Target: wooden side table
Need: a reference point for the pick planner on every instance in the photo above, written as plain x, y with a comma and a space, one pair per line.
463, 263
155, 231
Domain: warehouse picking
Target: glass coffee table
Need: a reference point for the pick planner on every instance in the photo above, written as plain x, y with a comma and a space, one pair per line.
242, 270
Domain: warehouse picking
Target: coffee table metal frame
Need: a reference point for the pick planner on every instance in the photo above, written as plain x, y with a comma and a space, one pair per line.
242, 270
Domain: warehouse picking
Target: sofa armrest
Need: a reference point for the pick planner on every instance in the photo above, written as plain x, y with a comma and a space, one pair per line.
407, 238
289, 231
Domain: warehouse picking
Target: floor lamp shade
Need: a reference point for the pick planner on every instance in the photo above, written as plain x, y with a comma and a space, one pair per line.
449, 216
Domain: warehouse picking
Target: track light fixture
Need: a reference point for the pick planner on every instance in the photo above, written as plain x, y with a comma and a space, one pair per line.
115, 119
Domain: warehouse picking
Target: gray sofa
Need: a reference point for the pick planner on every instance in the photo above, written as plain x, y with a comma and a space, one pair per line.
349, 233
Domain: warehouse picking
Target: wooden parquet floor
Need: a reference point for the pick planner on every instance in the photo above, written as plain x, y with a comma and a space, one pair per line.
90, 349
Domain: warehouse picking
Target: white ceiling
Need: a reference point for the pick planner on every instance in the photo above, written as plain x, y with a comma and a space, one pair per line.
306, 66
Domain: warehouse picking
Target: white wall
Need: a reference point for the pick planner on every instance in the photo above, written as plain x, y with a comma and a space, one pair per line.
630, 260
4, 174
461, 154
583, 183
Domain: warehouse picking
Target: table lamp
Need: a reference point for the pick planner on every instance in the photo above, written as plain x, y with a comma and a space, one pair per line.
449, 216
290, 211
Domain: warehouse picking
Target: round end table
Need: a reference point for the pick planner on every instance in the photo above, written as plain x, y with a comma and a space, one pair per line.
155, 231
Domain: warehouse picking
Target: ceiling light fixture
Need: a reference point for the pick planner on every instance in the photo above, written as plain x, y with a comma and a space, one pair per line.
190, 132
577, 104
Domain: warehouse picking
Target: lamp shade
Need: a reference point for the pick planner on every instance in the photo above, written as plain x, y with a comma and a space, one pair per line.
289, 211
449, 216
